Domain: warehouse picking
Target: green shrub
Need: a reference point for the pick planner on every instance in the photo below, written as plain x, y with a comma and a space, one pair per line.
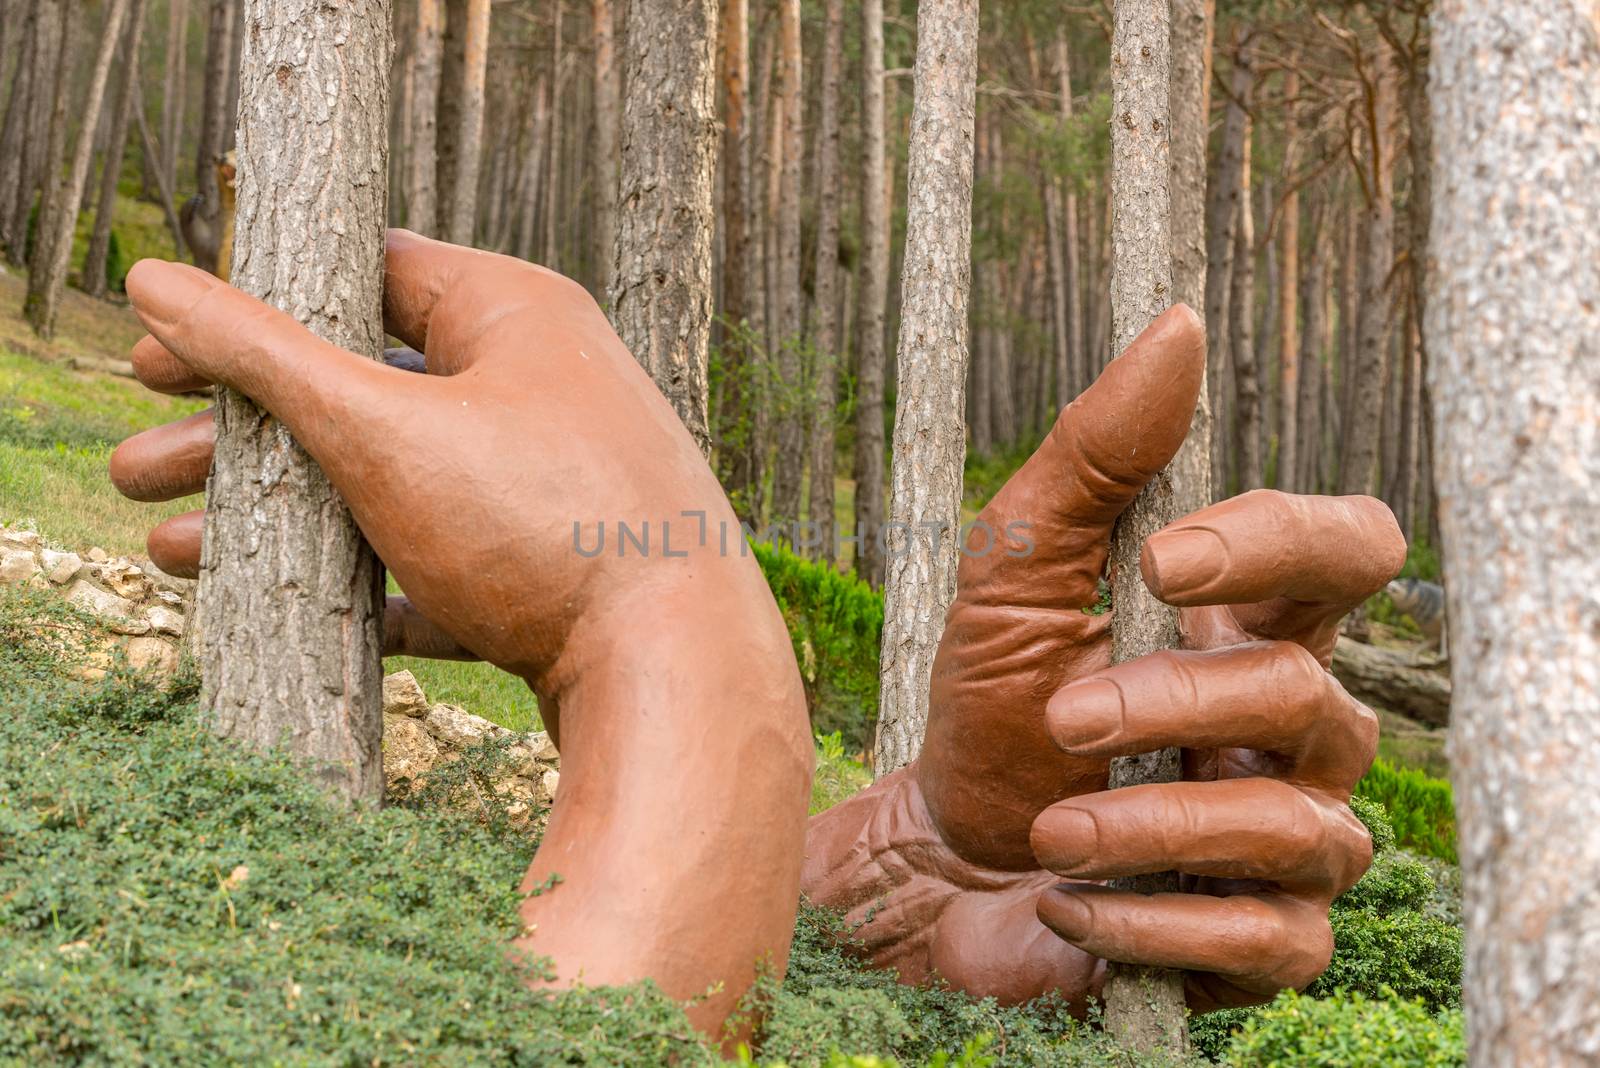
838, 776
118, 263
1421, 808
835, 622
1348, 1031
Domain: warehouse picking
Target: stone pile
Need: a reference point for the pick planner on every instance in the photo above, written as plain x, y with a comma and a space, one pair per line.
145, 610
419, 736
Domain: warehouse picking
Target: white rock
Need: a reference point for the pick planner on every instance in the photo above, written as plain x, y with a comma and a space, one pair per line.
98, 602
409, 751
532, 755
125, 579
98, 555
403, 696
457, 727
16, 567
61, 568
165, 621
551, 783
134, 626
19, 539
167, 597
169, 585
152, 654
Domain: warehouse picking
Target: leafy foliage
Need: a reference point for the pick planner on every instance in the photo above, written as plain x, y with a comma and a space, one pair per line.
1348, 1031
1421, 808
835, 622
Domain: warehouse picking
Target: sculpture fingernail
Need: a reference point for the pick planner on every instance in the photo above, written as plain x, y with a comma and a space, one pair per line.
1178, 564
1065, 913
165, 292
1064, 839
1086, 714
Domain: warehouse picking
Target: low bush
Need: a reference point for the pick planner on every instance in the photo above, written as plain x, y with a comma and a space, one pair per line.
1421, 808
1348, 1031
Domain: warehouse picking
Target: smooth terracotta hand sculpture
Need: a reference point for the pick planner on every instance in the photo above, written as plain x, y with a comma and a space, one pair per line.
669, 682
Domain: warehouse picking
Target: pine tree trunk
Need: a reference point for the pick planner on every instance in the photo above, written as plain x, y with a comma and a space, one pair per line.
532, 190
174, 94
1514, 352
736, 446
552, 204
49, 272
825, 334
788, 473
1313, 303
1223, 211
1288, 301
93, 276
447, 135
929, 432
872, 301
422, 189
607, 115
1246, 466
214, 118
463, 217
290, 630
1144, 1007
661, 293
1193, 26
1077, 370
42, 170
1359, 459
13, 134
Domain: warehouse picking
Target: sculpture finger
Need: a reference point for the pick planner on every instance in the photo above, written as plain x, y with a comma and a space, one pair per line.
1259, 829
407, 632
1270, 696
1104, 447
1263, 943
174, 546
166, 462
161, 371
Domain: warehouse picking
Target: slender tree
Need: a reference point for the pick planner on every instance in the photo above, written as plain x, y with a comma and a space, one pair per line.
551, 256
463, 186
874, 296
174, 97
214, 119
93, 276
789, 468
290, 630
607, 115
1289, 296
1514, 351
48, 273
422, 190
661, 290
1145, 1006
13, 132
826, 336
1193, 29
1223, 208
1247, 396
929, 431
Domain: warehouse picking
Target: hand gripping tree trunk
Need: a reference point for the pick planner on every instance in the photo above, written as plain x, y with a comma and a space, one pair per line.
661, 289
290, 595
1145, 1006
1514, 352
929, 425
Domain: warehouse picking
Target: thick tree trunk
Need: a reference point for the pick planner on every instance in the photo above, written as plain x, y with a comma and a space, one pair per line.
788, 474
422, 190
175, 97
1362, 433
661, 293
873, 300
825, 334
1145, 1006
1223, 211
1514, 349
291, 629
1246, 465
463, 190
608, 115
49, 270
93, 276
1288, 300
929, 432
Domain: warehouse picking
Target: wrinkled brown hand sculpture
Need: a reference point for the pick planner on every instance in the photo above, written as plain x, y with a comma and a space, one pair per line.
979, 862
671, 687
668, 681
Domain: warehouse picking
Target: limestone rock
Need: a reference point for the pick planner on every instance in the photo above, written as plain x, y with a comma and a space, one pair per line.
551, 782
165, 621
98, 555
16, 566
125, 579
152, 654
98, 602
60, 568
403, 696
532, 755
409, 751
167, 584
19, 539
457, 727
133, 625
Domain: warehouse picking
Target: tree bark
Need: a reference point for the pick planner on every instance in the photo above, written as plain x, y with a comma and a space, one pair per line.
873, 300
1145, 1006
825, 333
661, 292
738, 444
1193, 28
552, 203
607, 115
49, 270
52, 50
929, 431
1313, 303
422, 190
213, 118
469, 138
789, 467
290, 630
13, 136
174, 97
1359, 459
447, 135
1246, 464
1514, 353
1078, 371
1223, 211
1288, 299
93, 276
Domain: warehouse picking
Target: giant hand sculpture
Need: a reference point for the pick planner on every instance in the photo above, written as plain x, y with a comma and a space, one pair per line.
669, 683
